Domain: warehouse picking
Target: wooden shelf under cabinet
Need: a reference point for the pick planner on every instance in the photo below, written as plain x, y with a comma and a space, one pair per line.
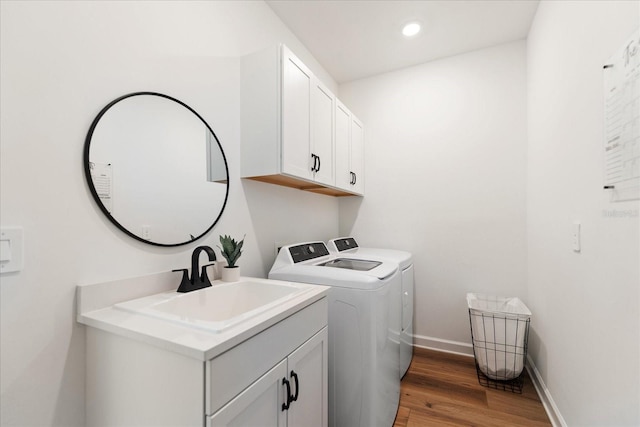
300, 184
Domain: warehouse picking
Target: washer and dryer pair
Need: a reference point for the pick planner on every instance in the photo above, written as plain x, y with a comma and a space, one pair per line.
365, 325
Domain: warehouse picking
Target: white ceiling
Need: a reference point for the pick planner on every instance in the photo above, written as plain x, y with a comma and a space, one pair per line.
353, 39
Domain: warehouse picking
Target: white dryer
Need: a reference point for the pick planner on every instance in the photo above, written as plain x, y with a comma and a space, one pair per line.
364, 381
348, 247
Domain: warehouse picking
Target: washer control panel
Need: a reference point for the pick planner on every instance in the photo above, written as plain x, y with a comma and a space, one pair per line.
308, 251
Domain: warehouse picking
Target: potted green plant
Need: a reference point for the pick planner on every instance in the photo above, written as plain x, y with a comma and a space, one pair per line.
231, 251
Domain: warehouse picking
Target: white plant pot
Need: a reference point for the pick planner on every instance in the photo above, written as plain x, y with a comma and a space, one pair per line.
231, 274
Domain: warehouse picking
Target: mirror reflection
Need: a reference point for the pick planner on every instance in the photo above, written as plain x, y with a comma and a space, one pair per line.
156, 169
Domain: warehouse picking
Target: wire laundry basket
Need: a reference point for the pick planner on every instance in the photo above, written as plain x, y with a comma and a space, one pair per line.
499, 332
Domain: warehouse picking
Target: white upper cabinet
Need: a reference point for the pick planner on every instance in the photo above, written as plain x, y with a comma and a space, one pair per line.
322, 106
357, 155
307, 123
349, 143
343, 146
288, 124
297, 85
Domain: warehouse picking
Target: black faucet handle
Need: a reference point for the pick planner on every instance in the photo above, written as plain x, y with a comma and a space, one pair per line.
184, 283
204, 278
185, 273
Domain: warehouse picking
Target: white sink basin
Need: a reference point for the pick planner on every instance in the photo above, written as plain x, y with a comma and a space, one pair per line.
218, 307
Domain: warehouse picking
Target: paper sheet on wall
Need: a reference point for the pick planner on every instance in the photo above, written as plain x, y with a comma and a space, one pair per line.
622, 114
102, 176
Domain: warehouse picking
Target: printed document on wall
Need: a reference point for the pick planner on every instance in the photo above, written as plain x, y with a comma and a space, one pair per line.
102, 176
622, 115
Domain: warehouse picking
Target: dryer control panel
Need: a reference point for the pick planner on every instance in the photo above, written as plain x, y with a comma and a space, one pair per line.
308, 251
345, 244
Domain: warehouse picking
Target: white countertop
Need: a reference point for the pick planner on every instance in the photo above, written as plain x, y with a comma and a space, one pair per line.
96, 309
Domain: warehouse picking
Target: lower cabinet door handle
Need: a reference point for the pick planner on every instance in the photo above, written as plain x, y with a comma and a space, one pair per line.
285, 406
295, 378
355, 178
319, 164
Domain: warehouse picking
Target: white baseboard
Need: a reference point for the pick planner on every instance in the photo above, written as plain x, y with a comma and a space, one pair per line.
545, 397
446, 346
465, 349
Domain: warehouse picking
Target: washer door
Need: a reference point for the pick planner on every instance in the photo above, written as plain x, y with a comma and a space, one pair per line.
351, 264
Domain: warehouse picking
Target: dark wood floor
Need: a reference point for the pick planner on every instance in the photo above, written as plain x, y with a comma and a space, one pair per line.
442, 389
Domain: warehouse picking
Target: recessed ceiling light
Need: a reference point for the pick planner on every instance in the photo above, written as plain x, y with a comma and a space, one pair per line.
411, 29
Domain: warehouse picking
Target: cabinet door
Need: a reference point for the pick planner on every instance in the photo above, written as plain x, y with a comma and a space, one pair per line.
343, 147
322, 133
309, 364
296, 116
357, 155
260, 405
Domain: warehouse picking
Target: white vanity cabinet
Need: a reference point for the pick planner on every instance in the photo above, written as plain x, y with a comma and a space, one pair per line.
288, 124
293, 393
146, 372
349, 143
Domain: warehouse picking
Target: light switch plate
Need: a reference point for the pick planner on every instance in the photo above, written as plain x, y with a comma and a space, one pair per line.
11, 244
5, 250
575, 236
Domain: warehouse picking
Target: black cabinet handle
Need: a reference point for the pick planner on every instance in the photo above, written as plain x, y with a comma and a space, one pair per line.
285, 406
295, 377
353, 178
316, 163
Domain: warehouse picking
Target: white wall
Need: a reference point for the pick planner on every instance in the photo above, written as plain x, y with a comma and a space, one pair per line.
586, 315
445, 179
61, 62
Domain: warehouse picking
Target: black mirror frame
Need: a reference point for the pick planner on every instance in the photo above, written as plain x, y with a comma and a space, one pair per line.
87, 170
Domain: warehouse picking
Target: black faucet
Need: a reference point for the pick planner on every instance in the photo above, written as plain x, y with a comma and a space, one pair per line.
196, 282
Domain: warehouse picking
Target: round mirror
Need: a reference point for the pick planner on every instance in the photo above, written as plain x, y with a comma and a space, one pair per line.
156, 169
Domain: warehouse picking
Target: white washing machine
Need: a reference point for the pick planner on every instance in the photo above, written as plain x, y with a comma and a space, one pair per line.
348, 247
364, 381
